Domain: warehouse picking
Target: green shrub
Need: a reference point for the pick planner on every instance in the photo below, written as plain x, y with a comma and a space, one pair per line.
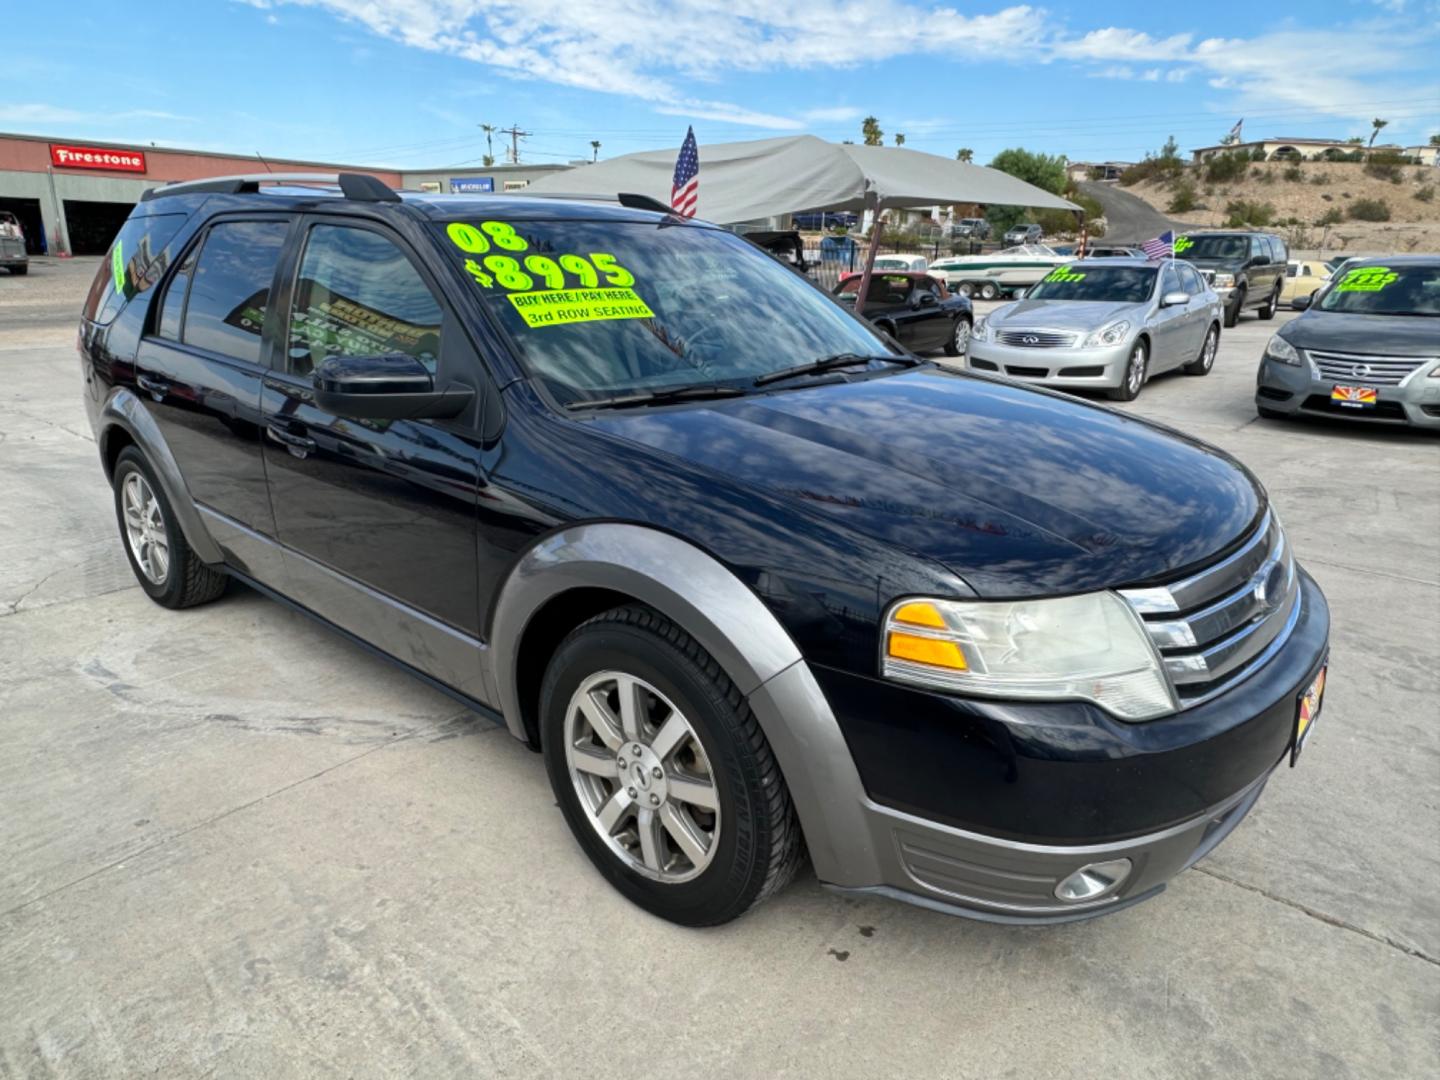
1320, 179
1223, 168
1241, 212
1184, 199
1330, 217
1384, 167
1368, 210
1426, 193
1294, 174
1258, 154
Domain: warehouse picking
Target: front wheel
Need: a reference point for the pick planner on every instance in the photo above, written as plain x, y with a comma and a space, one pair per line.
662, 771
1271, 305
960, 339
965, 289
1232, 313
1134, 377
1202, 364
989, 291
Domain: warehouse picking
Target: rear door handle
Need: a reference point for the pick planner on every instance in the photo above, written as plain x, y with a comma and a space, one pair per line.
299, 445
156, 387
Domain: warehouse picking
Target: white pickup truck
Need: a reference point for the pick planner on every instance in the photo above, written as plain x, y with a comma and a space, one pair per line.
12, 244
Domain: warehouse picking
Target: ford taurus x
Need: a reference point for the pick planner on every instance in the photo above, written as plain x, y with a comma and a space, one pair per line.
756, 583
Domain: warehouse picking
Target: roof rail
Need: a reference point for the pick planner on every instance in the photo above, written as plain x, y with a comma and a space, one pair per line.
358, 186
626, 199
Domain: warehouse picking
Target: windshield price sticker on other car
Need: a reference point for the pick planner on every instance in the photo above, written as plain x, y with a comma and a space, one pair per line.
1366, 279
543, 274
1063, 273
1182, 243
117, 269
554, 307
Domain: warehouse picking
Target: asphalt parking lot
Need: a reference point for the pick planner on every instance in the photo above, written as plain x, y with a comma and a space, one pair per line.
236, 845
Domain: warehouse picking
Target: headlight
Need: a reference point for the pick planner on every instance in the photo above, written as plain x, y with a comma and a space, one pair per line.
1224, 281
981, 330
1111, 335
1281, 350
1091, 648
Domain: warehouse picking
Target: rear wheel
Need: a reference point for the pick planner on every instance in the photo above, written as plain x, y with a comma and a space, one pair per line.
965, 289
164, 563
1268, 311
960, 339
1202, 364
662, 771
1135, 370
989, 291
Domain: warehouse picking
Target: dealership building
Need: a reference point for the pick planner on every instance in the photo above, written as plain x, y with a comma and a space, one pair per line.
72, 197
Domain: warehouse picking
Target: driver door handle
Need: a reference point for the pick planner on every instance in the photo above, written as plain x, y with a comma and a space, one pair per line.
149, 383
292, 442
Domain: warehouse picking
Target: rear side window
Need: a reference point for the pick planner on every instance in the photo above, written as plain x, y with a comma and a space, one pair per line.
1281, 252
136, 260
1192, 283
230, 288
172, 307
358, 295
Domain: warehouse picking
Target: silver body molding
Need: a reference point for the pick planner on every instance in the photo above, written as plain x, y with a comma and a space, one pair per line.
124, 410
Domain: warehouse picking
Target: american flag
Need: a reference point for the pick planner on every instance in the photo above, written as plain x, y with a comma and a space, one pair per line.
685, 189
1162, 247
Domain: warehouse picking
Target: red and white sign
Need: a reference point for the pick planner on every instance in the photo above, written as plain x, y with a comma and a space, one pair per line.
95, 157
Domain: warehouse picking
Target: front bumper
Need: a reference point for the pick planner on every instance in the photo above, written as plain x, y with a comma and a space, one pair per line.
1296, 391
1096, 368
983, 808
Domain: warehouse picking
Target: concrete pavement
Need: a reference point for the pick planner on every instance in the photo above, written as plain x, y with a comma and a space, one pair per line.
236, 845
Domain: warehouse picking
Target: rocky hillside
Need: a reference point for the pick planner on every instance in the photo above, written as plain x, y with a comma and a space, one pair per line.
1317, 205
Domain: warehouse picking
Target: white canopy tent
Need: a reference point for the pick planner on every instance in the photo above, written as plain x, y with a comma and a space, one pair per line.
744, 181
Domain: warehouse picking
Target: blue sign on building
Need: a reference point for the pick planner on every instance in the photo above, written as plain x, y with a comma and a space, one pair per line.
466, 185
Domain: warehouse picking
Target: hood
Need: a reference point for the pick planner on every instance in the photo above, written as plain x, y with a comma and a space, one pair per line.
1062, 314
1375, 335
1019, 491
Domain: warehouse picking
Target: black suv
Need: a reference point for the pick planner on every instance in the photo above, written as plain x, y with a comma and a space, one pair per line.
1246, 269
753, 580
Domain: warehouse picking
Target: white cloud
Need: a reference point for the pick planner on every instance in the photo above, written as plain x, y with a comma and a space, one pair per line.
1112, 71
1151, 75
21, 114
836, 114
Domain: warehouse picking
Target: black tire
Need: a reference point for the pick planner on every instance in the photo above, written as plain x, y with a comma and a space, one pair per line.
759, 847
965, 289
1270, 414
19, 271
989, 291
187, 581
1271, 306
1232, 312
1205, 362
1129, 389
952, 344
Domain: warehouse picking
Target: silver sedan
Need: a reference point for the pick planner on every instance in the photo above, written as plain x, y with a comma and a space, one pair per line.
1103, 326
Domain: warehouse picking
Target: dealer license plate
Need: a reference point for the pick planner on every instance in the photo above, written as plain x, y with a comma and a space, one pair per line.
1355, 397
1307, 711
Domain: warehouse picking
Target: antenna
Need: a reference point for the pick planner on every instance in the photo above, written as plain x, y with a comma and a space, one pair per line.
515, 136
263, 162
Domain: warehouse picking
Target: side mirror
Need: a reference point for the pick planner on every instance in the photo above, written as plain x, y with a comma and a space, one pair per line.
1300, 303
1019, 294
1174, 299
925, 299
390, 387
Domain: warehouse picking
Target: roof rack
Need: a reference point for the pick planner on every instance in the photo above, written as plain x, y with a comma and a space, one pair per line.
358, 186
626, 199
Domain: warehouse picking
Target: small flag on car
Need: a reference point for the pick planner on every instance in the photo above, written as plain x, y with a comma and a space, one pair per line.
1162, 247
685, 188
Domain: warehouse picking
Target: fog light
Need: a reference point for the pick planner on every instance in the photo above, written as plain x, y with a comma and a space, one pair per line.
1093, 881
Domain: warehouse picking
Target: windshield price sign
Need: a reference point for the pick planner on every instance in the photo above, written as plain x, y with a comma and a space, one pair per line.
1366, 279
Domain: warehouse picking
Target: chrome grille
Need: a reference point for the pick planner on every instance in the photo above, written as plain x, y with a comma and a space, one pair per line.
1366, 370
1215, 627
1035, 339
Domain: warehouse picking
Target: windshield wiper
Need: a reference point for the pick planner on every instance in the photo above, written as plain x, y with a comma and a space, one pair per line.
688, 392
832, 363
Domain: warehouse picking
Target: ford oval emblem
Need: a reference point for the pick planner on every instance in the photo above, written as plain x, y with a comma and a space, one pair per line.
1268, 586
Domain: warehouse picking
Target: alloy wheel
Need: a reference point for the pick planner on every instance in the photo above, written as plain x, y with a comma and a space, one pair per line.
642, 776
145, 528
1135, 372
1207, 352
962, 337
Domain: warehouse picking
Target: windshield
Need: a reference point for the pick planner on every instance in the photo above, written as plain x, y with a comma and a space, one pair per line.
1085, 281
1212, 247
602, 308
1386, 290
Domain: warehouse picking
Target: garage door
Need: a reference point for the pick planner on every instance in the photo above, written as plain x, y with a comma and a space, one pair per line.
93, 225
27, 212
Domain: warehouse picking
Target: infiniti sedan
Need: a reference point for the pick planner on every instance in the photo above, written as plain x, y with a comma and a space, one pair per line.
1103, 326
1366, 348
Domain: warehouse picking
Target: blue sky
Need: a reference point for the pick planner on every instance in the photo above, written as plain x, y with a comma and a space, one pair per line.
406, 82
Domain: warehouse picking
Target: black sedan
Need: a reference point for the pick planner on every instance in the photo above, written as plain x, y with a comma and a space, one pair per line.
915, 309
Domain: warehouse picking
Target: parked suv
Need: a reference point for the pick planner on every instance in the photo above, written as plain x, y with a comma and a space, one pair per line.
1024, 234
1246, 269
970, 228
753, 580
13, 256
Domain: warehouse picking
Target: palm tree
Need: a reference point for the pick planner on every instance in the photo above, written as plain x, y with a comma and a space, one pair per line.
870, 128
594, 149
964, 154
899, 138
1376, 124
489, 130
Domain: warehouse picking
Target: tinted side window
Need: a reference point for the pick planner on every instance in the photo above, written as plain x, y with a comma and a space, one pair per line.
1281, 253
358, 295
172, 307
136, 260
1258, 248
230, 287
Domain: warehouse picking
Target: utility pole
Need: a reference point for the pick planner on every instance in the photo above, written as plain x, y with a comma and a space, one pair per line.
515, 136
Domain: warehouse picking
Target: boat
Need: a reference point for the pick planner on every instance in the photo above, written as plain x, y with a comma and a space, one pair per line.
998, 272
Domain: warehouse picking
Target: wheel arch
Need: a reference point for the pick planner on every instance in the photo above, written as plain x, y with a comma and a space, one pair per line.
124, 421
570, 575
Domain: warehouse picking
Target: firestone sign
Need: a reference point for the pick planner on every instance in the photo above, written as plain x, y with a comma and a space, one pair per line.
95, 157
